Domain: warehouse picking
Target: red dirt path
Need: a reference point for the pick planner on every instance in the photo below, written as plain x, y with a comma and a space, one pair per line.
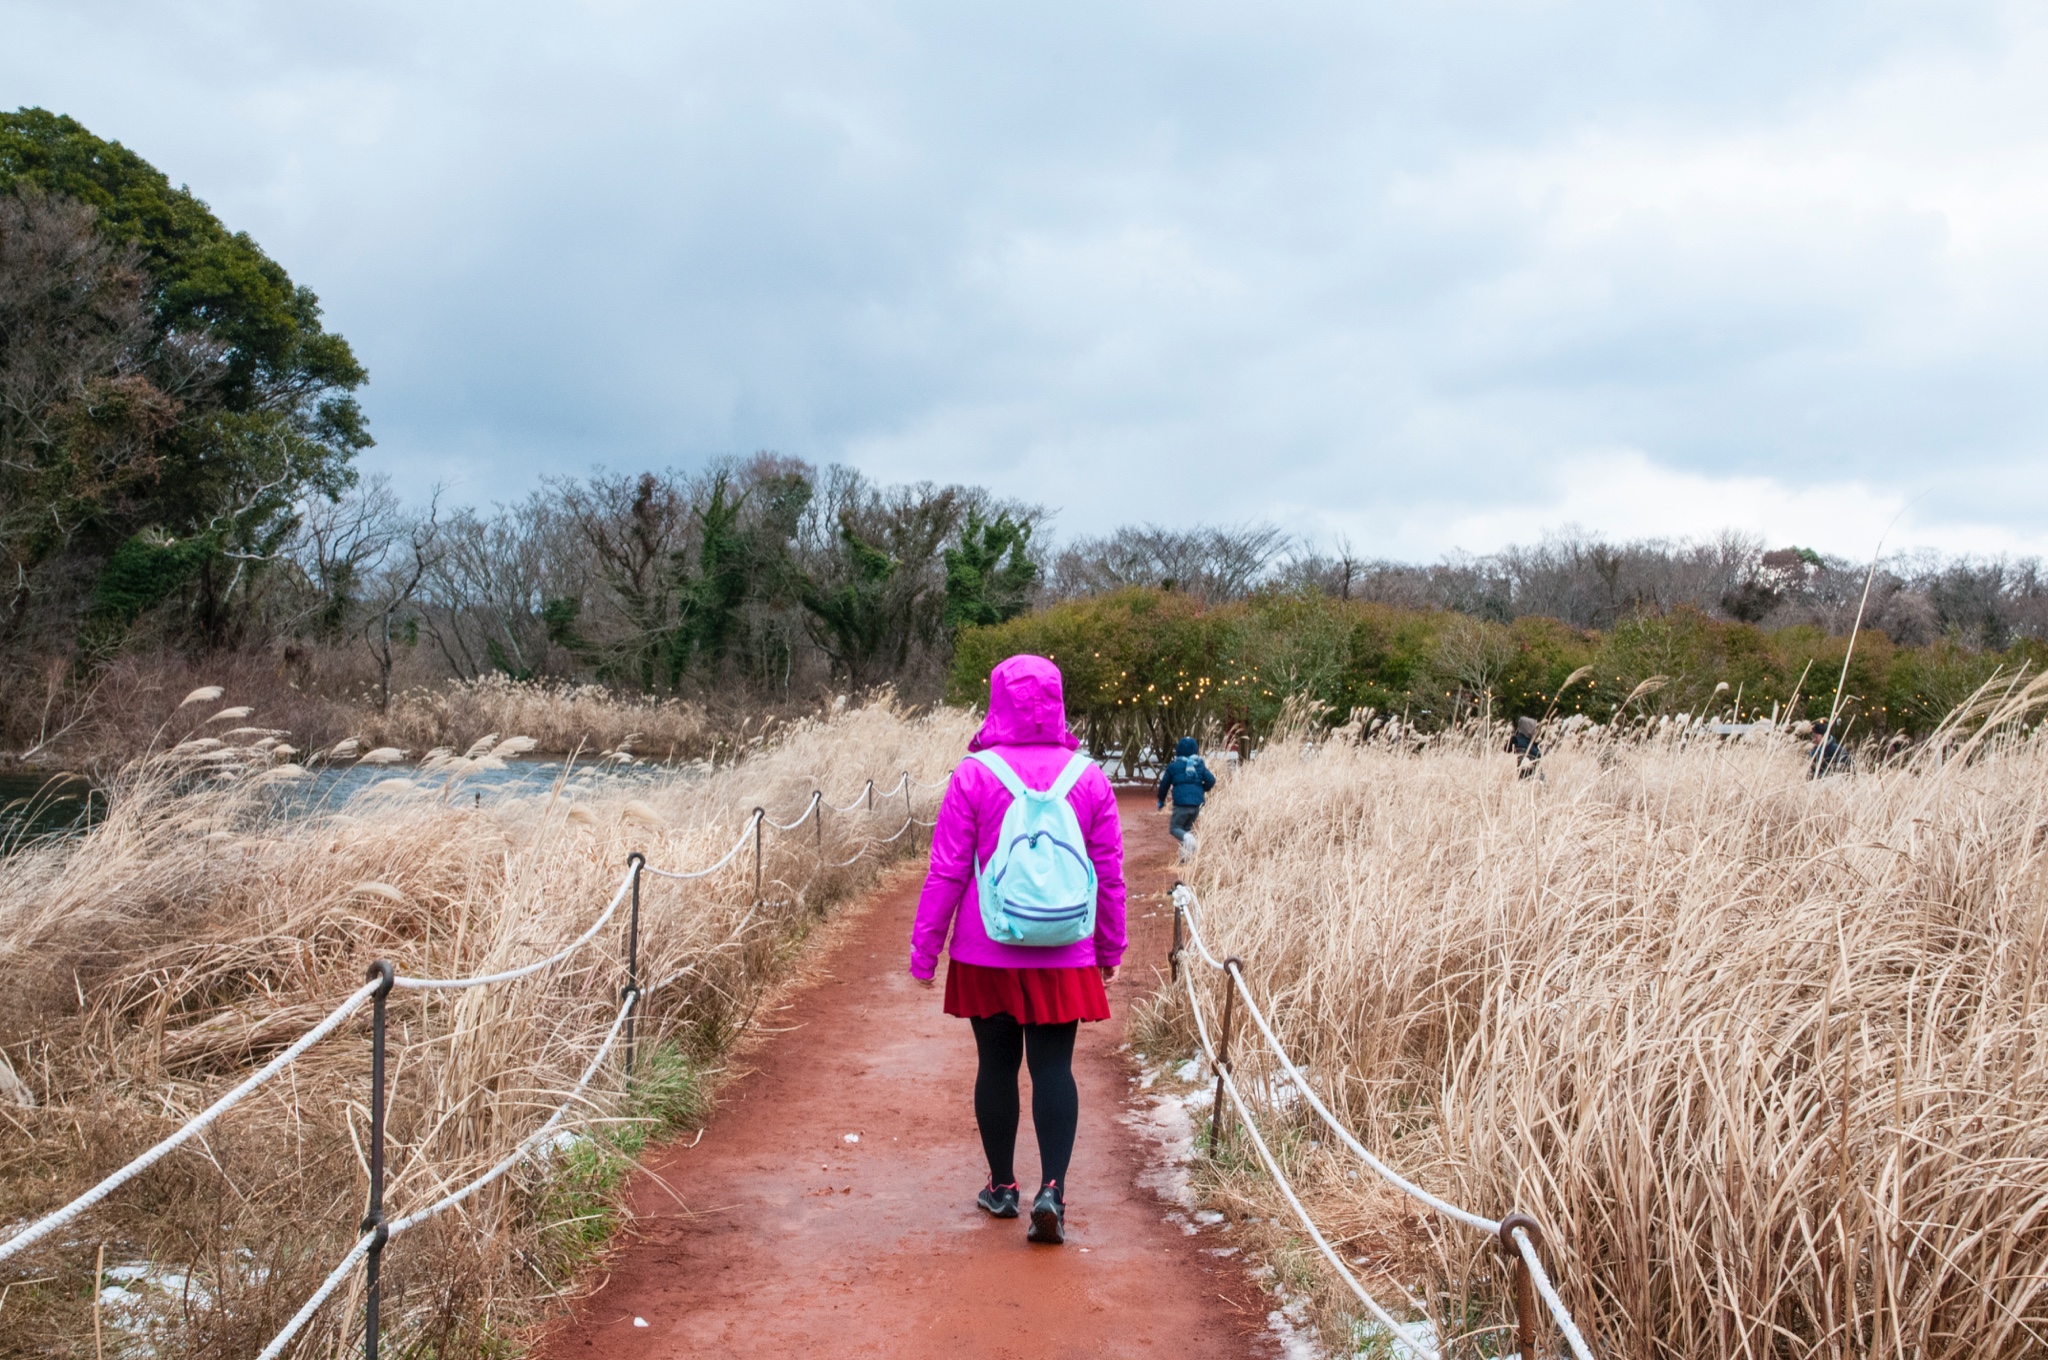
796, 1242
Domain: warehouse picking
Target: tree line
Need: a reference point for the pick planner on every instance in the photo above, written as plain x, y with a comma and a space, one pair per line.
1145, 665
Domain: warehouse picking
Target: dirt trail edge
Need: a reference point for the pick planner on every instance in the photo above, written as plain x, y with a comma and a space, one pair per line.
791, 1240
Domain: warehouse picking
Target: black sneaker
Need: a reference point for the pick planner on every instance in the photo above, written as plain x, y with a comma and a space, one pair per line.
1048, 1217
998, 1201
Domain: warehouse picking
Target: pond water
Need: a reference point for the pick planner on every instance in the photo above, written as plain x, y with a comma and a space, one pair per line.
34, 805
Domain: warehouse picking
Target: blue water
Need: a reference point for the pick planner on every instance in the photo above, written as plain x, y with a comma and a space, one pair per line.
37, 805
33, 806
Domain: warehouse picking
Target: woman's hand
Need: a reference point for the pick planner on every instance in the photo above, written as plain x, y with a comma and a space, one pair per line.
1109, 972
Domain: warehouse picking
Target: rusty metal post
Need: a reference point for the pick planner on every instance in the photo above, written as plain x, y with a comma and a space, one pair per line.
871, 797
373, 1222
1230, 965
1525, 1285
760, 816
635, 861
1173, 957
818, 802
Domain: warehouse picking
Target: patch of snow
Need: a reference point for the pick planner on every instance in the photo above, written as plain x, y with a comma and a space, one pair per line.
1414, 1341
1191, 1070
1295, 1343
1208, 1216
853, 1138
1163, 1122
637, 1322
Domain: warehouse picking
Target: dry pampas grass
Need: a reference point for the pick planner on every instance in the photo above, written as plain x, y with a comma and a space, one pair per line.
1767, 1055
196, 930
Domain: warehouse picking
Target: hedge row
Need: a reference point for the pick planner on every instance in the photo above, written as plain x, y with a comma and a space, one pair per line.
1143, 666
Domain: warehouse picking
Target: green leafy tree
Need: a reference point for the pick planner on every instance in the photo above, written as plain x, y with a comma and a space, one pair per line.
988, 577
855, 619
250, 402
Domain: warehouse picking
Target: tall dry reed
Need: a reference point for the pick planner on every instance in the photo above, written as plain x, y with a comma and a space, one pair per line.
1767, 1055
194, 932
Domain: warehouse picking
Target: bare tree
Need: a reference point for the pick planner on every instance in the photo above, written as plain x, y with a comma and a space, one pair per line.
1212, 564
415, 553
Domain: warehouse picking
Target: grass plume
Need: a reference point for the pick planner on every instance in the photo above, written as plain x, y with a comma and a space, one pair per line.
193, 931
1767, 1055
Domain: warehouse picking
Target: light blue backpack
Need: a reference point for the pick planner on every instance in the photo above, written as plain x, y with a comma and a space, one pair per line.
1039, 888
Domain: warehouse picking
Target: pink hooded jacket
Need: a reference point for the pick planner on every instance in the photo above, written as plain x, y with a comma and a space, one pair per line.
1027, 726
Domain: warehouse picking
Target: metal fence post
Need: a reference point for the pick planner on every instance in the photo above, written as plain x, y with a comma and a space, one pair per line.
1173, 956
1525, 1287
384, 975
871, 797
818, 800
1230, 967
636, 862
760, 816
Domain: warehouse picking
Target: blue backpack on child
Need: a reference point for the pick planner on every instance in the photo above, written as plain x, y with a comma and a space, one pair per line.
1039, 887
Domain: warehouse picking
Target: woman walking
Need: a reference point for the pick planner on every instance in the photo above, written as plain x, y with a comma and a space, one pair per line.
1036, 922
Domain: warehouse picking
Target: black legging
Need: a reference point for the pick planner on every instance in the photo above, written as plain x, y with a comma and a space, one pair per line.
1055, 1104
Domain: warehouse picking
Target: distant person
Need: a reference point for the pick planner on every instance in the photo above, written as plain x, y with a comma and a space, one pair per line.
1527, 750
1188, 780
1825, 755
1027, 878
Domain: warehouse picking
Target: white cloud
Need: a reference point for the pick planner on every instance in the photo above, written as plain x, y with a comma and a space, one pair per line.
1621, 493
1406, 272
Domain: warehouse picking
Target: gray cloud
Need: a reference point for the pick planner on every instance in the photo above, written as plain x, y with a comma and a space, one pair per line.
1428, 277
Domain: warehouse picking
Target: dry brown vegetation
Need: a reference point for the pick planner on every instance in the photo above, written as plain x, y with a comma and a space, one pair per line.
1767, 1055
194, 932
121, 714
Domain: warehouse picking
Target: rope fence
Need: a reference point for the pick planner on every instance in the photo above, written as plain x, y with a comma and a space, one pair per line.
383, 979
1518, 1233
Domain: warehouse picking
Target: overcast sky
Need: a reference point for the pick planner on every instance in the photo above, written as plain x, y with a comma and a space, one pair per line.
1435, 277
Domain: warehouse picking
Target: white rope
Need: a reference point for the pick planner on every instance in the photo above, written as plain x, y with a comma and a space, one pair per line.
319, 1296
1551, 1300
1185, 897
49, 1223
737, 846
393, 1229
921, 784
908, 822
1387, 1173
859, 799
801, 817
486, 979
1399, 1330
519, 1153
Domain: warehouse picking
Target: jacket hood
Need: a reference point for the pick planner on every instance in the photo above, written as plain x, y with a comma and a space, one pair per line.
1527, 726
1027, 706
1186, 746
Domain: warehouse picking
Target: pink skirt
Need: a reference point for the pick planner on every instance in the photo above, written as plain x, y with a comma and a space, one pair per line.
1033, 996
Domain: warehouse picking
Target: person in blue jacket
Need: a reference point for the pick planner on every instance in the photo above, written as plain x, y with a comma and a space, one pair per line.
1189, 781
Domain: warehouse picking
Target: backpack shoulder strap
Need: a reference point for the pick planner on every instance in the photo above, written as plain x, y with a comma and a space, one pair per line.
1000, 768
1070, 776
